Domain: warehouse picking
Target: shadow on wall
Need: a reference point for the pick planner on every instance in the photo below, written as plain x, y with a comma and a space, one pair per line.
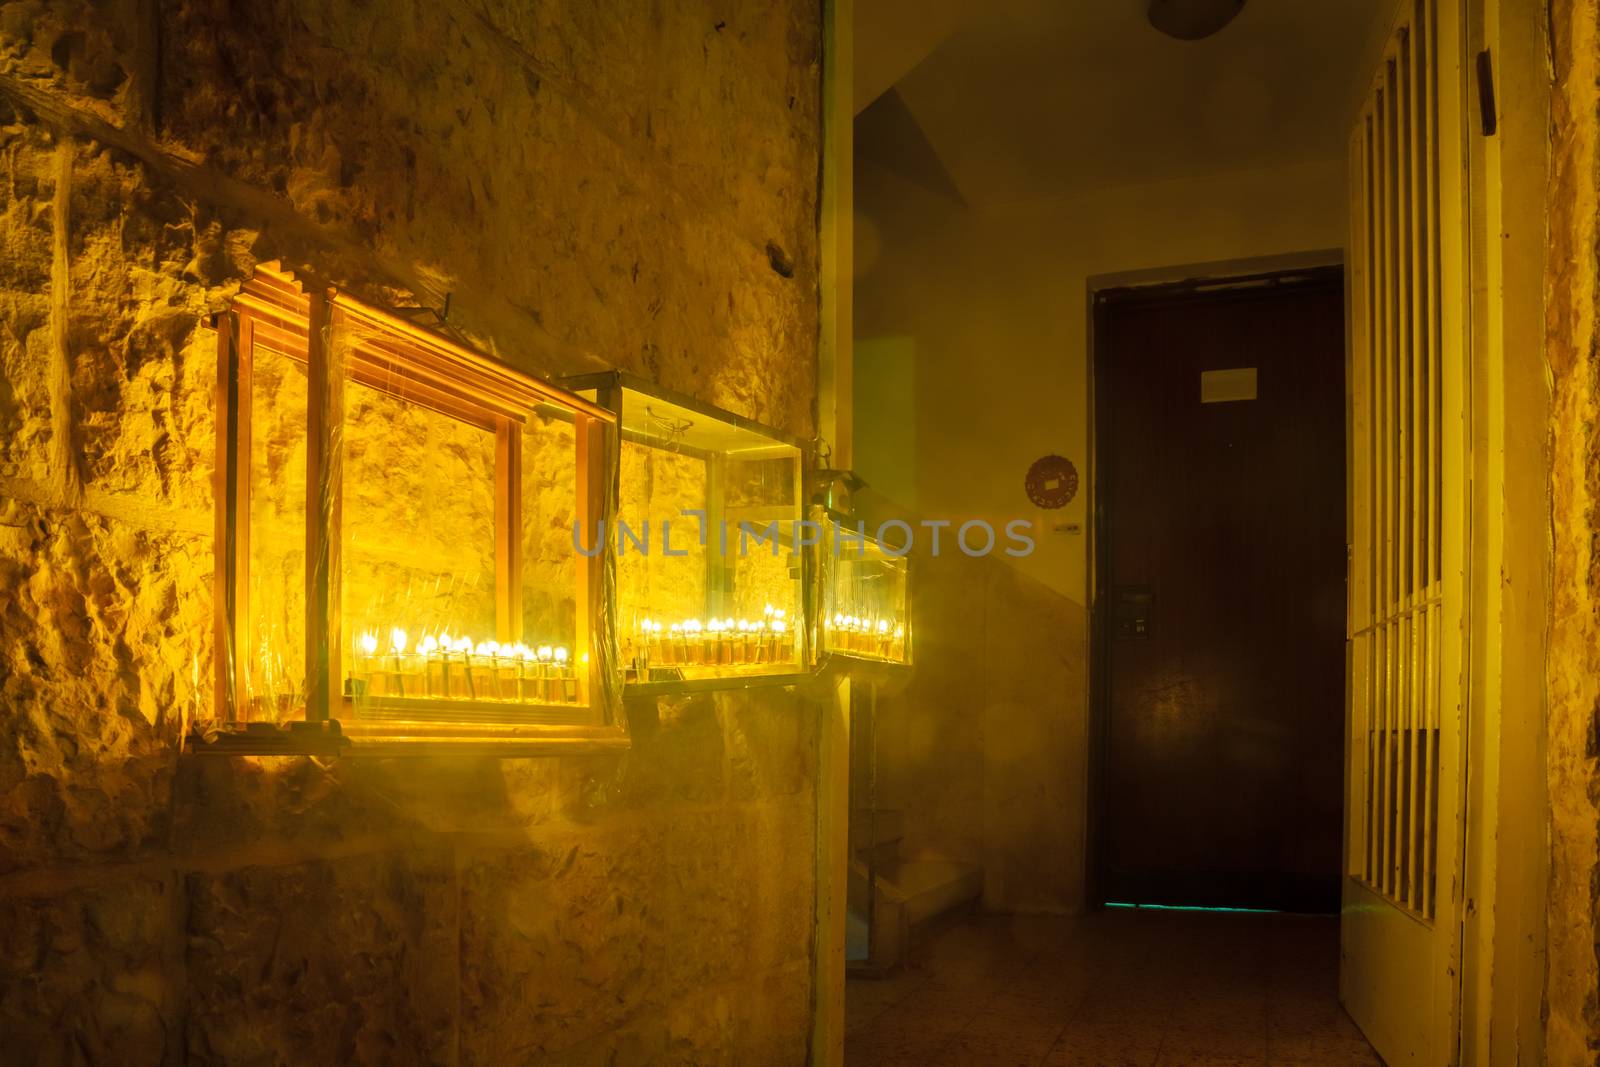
985, 751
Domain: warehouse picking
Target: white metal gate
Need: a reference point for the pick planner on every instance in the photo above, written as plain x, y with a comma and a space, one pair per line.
1407, 537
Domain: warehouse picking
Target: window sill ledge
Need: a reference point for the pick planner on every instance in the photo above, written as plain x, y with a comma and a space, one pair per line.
400, 739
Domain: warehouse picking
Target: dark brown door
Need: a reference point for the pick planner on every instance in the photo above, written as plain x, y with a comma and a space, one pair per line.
1220, 603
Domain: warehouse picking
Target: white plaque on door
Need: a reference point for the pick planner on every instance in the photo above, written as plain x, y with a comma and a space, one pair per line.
1221, 386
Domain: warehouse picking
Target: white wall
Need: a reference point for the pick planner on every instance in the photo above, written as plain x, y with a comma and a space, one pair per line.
972, 362
993, 307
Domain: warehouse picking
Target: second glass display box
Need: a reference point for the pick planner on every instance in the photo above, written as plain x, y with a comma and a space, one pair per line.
866, 598
709, 580
865, 584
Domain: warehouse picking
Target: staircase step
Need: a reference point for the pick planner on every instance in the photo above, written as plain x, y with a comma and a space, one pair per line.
888, 824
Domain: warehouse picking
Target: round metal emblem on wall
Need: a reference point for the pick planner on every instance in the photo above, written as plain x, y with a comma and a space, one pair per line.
1052, 481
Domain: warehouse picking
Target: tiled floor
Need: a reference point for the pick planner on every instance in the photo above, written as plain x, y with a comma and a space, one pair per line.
1112, 989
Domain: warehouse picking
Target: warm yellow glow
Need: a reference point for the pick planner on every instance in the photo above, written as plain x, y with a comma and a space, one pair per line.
446, 667
725, 642
880, 637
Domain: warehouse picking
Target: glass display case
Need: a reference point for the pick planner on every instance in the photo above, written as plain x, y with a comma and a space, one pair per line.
865, 598
710, 577
398, 520
865, 611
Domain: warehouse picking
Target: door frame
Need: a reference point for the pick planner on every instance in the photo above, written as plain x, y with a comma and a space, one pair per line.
1507, 804
1173, 281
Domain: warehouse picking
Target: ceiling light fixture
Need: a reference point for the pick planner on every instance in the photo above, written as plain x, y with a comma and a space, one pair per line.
1191, 20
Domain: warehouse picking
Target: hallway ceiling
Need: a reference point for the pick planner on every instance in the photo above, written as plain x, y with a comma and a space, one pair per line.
1021, 99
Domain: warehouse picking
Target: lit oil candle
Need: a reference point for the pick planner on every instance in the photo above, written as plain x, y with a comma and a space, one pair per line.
546, 656
362, 671
486, 661
568, 679
654, 646
463, 684
427, 651
521, 654
397, 648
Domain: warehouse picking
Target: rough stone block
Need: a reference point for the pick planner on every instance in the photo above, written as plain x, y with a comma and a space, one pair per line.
559, 944
143, 368
26, 251
771, 739
336, 961
86, 974
105, 652
681, 757
772, 1023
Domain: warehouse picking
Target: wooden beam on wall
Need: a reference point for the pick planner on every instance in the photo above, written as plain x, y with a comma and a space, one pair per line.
835, 386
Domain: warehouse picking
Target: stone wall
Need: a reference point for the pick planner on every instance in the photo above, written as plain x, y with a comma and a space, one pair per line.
1572, 298
591, 185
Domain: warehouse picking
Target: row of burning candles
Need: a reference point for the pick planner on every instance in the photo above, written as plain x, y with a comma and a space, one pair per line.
719, 642
457, 668
866, 636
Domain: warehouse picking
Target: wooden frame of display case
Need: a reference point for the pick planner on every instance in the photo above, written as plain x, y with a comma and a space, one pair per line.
609, 387
421, 367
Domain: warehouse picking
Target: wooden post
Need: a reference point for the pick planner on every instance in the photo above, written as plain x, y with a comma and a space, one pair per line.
593, 489
719, 572
231, 486
836, 419
508, 532
324, 471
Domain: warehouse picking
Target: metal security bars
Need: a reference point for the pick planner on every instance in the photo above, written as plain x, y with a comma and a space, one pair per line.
1397, 462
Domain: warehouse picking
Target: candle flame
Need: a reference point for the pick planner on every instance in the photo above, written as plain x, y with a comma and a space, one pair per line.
397, 640
369, 643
